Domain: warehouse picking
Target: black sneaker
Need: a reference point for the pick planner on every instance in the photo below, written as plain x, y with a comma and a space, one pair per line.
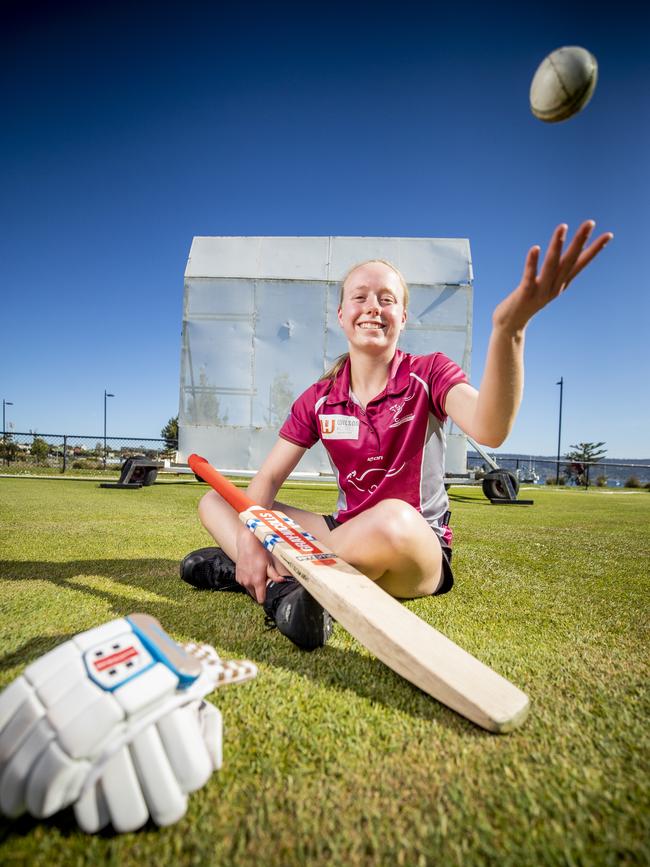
297, 614
210, 569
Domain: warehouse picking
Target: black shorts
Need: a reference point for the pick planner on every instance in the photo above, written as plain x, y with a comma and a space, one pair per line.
447, 575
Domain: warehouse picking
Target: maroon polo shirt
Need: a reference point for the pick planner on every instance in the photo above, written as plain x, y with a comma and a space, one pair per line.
395, 448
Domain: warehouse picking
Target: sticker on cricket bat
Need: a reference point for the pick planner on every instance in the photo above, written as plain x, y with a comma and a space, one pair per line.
396, 635
284, 529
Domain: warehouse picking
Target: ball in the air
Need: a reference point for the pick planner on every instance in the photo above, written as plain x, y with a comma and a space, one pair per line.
563, 84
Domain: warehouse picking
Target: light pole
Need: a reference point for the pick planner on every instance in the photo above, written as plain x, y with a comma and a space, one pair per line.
106, 395
5, 404
559, 433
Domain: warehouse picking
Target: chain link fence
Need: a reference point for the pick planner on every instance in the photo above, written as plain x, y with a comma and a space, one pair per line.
43, 453
545, 470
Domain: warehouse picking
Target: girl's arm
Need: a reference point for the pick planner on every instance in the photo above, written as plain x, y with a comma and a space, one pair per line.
280, 462
487, 415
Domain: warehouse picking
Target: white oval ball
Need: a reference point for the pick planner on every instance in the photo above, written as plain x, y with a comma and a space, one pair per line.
563, 84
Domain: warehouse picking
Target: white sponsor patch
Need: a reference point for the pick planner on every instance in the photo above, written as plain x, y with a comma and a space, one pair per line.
339, 427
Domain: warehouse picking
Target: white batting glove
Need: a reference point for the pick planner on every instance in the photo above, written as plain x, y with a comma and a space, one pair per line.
114, 723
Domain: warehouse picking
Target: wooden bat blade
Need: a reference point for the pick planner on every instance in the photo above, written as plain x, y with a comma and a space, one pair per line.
393, 633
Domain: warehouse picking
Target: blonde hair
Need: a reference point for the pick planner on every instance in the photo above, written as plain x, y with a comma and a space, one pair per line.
334, 370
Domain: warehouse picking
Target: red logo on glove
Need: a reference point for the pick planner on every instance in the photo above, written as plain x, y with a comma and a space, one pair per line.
114, 659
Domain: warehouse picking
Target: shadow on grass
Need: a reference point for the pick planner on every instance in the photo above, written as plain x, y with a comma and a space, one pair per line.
63, 822
230, 621
464, 498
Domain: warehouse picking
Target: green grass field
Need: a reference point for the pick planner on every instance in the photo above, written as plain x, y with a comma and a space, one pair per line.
329, 757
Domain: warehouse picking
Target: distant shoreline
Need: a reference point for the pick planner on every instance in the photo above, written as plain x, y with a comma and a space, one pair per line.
616, 470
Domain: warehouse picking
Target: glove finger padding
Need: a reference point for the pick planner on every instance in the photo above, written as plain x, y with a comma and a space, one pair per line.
116, 799
113, 722
194, 752
155, 773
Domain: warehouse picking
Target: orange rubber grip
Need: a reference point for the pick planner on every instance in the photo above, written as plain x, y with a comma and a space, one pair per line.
237, 499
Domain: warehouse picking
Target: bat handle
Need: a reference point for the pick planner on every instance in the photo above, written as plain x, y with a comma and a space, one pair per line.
237, 498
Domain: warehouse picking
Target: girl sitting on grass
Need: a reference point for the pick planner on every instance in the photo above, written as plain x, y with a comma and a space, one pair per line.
380, 413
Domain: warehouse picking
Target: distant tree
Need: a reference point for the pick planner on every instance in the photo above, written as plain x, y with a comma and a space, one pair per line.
170, 433
8, 448
632, 482
203, 404
39, 450
281, 396
582, 456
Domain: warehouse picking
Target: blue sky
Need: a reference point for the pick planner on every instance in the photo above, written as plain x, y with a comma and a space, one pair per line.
128, 128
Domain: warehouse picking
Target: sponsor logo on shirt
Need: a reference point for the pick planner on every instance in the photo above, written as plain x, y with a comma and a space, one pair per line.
339, 427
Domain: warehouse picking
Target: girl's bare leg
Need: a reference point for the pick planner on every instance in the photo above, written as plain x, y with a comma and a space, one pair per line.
391, 542
221, 521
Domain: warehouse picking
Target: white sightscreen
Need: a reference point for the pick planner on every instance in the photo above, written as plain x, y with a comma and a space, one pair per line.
260, 325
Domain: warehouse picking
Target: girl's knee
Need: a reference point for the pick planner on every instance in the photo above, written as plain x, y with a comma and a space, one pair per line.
207, 505
399, 522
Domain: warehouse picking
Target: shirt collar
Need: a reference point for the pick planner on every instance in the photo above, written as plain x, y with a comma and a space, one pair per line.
398, 379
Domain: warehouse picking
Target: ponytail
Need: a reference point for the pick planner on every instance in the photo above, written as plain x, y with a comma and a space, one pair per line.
336, 368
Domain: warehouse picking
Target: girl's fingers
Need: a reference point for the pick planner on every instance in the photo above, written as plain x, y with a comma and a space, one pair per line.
590, 253
552, 259
273, 573
557, 270
530, 265
573, 253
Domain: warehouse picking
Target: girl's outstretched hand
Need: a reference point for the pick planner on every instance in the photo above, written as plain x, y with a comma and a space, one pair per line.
558, 269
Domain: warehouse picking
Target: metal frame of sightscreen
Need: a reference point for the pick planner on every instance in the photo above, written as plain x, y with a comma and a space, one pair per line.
260, 325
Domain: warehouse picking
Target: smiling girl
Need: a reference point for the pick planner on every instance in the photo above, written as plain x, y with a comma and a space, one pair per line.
380, 414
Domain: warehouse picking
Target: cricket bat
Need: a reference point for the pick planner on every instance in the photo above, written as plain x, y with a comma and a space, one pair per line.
394, 634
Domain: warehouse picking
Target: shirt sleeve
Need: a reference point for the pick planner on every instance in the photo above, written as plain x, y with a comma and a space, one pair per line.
300, 425
444, 374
